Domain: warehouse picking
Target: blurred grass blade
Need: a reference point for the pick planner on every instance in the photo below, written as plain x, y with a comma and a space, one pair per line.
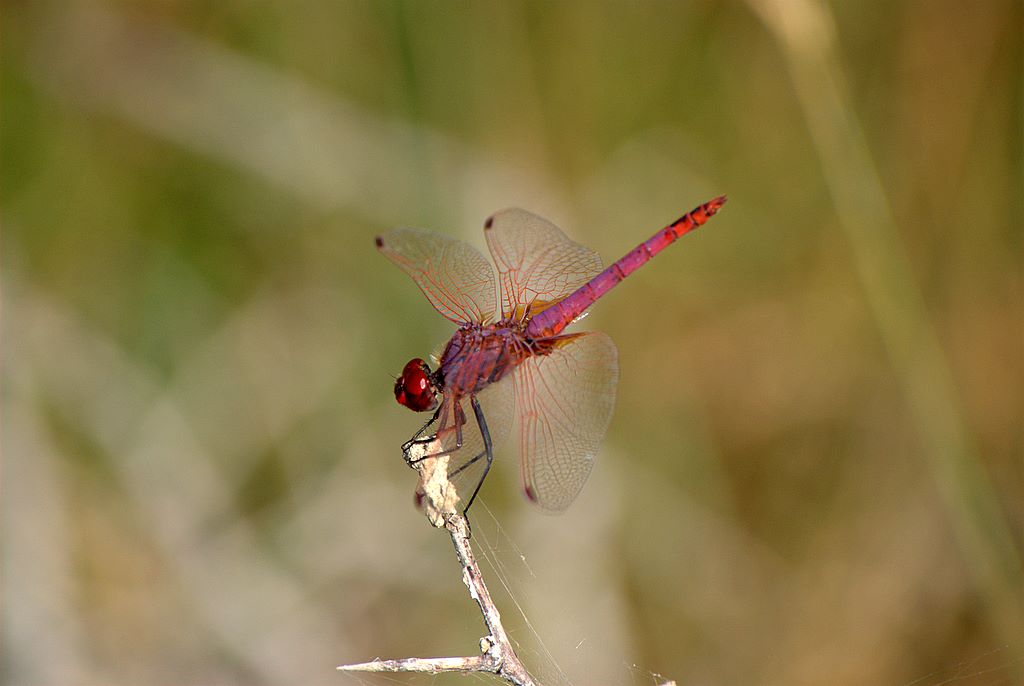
806, 32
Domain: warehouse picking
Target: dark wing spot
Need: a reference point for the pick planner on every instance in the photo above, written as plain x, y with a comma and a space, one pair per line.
530, 495
489, 222
379, 241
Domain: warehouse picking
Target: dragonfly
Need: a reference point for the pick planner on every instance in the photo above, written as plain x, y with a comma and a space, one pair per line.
510, 360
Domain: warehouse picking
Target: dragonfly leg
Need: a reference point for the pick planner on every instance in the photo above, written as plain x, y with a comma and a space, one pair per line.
460, 421
487, 453
416, 436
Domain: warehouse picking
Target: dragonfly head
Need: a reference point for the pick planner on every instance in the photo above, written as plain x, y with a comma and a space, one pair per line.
415, 388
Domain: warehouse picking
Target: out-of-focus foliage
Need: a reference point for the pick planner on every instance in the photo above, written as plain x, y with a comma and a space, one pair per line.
814, 474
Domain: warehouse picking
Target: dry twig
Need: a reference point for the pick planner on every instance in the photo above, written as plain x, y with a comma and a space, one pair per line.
498, 657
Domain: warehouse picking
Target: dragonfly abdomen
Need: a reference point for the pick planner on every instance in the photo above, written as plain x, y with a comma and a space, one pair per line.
552, 320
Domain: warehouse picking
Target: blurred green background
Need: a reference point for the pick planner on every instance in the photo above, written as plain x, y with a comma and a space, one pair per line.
816, 466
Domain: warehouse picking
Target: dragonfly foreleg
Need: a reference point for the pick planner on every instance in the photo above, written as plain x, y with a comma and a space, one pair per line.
416, 436
487, 452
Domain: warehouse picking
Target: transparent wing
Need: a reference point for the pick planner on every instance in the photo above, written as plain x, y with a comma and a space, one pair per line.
497, 402
564, 403
538, 265
457, 280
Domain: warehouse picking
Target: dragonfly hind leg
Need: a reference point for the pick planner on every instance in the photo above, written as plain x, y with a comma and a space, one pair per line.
487, 453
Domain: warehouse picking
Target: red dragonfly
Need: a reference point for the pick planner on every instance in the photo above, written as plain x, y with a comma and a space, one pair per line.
560, 387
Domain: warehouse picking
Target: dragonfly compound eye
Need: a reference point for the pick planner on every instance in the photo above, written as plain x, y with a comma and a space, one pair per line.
414, 388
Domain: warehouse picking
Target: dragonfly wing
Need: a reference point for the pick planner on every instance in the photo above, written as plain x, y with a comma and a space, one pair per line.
457, 280
538, 265
564, 403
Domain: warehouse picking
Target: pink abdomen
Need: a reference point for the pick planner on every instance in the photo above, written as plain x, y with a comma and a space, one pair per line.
552, 320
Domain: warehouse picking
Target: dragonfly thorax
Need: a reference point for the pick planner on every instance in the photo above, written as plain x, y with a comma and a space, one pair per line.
481, 354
